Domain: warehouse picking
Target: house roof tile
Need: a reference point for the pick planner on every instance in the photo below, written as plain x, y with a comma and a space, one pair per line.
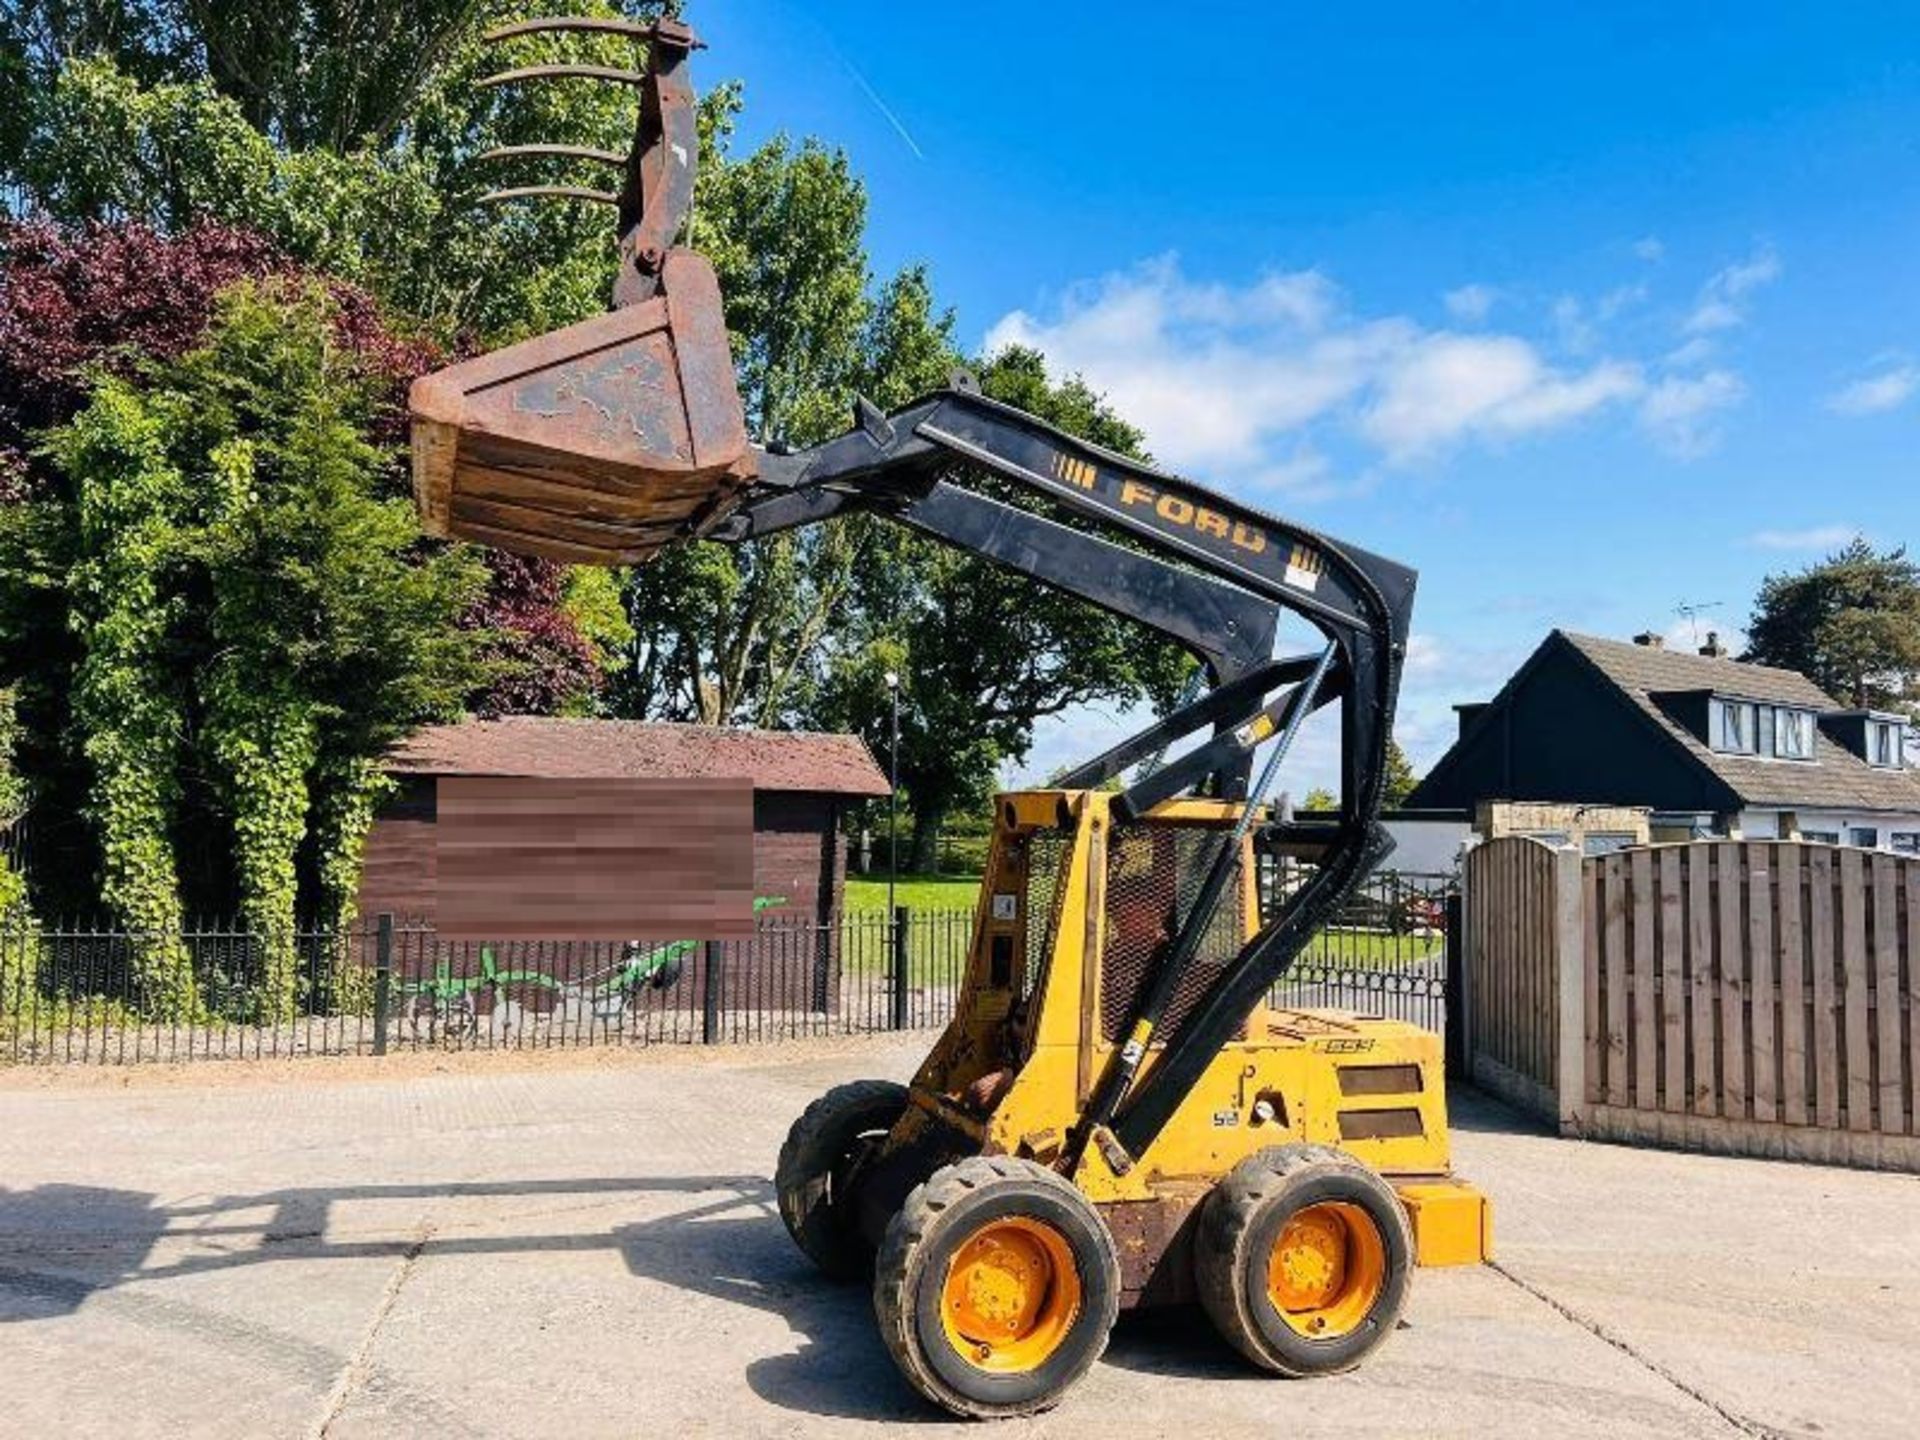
1837, 778
584, 749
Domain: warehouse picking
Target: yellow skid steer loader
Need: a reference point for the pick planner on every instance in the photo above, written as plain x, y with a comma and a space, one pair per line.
1116, 1115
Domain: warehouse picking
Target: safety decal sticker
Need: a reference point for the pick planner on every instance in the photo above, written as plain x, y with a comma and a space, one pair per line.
1073, 470
1304, 567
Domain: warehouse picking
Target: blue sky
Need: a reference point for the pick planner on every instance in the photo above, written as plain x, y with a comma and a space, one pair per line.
1585, 312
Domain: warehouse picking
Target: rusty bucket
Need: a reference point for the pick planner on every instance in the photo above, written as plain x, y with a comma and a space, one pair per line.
596, 444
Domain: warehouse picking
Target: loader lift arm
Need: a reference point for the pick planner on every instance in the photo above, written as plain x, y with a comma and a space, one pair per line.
1210, 572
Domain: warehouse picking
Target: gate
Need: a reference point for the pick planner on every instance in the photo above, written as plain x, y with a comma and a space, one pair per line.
1515, 891
1386, 954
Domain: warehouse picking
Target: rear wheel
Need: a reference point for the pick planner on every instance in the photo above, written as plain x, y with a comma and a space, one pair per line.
819, 1171
996, 1287
1303, 1259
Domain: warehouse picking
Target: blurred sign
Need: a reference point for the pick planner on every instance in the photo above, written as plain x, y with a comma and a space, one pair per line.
523, 858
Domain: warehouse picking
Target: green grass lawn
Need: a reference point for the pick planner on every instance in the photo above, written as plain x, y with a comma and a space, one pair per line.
1370, 949
942, 907
916, 892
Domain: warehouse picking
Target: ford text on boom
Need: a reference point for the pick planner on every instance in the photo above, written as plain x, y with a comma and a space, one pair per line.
1177, 511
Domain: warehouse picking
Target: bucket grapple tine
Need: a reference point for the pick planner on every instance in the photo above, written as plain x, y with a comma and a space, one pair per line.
550, 192
658, 190
574, 24
563, 71
570, 152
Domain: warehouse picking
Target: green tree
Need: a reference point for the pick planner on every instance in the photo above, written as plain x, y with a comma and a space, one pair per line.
348, 135
1851, 624
728, 634
1400, 775
17, 962
1400, 782
983, 654
250, 609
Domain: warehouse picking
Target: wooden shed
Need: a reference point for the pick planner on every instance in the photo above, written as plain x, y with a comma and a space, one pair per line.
800, 783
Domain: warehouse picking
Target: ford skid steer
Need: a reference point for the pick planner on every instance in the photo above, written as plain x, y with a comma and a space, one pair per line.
1116, 1116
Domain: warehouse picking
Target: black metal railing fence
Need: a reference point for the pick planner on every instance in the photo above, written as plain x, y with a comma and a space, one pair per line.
80, 994
1385, 955
72, 993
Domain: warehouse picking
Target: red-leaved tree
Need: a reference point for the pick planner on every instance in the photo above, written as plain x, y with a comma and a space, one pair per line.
114, 295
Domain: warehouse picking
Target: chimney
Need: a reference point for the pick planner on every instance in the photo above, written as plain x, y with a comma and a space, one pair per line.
1650, 640
1469, 713
1713, 649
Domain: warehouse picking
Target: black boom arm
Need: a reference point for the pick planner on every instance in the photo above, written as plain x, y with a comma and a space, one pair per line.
1206, 570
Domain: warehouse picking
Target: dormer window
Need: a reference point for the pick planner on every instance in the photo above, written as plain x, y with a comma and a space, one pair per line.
1743, 727
1793, 735
1883, 743
1733, 726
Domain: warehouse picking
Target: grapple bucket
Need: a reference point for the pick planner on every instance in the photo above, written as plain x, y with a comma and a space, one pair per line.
607, 440
596, 444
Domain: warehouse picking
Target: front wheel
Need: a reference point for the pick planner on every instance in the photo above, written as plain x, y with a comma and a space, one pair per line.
819, 1167
996, 1287
1303, 1259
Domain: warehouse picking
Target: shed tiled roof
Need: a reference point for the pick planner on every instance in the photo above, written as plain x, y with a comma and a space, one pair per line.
637, 749
1837, 778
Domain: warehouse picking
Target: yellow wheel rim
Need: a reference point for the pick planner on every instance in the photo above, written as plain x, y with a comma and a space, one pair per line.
1327, 1270
1011, 1295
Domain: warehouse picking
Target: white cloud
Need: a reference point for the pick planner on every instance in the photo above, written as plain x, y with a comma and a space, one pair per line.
1447, 386
1889, 389
1208, 371
1681, 412
1221, 376
1426, 654
1722, 303
1306, 474
1813, 537
1620, 298
1575, 331
1696, 351
1470, 303
1649, 248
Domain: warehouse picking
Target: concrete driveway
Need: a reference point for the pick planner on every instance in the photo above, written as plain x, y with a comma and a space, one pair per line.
584, 1245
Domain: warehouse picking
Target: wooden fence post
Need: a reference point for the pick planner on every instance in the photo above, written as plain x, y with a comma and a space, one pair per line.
1469, 943
1570, 974
1455, 997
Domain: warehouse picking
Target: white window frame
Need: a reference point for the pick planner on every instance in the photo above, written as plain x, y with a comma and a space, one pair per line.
1767, 732
1735, 726
1799, 725
1884, 744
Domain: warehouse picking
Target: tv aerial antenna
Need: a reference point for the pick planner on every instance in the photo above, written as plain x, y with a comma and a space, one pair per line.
1691, 611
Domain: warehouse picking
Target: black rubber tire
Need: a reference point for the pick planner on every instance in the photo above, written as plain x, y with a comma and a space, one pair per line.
812, 1180
910, 1275
1239, 1226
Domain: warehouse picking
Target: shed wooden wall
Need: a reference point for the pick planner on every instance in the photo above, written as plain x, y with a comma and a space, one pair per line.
797, 853
397, 875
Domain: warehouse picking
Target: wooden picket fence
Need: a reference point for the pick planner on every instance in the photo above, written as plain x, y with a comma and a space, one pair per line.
1746, 996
